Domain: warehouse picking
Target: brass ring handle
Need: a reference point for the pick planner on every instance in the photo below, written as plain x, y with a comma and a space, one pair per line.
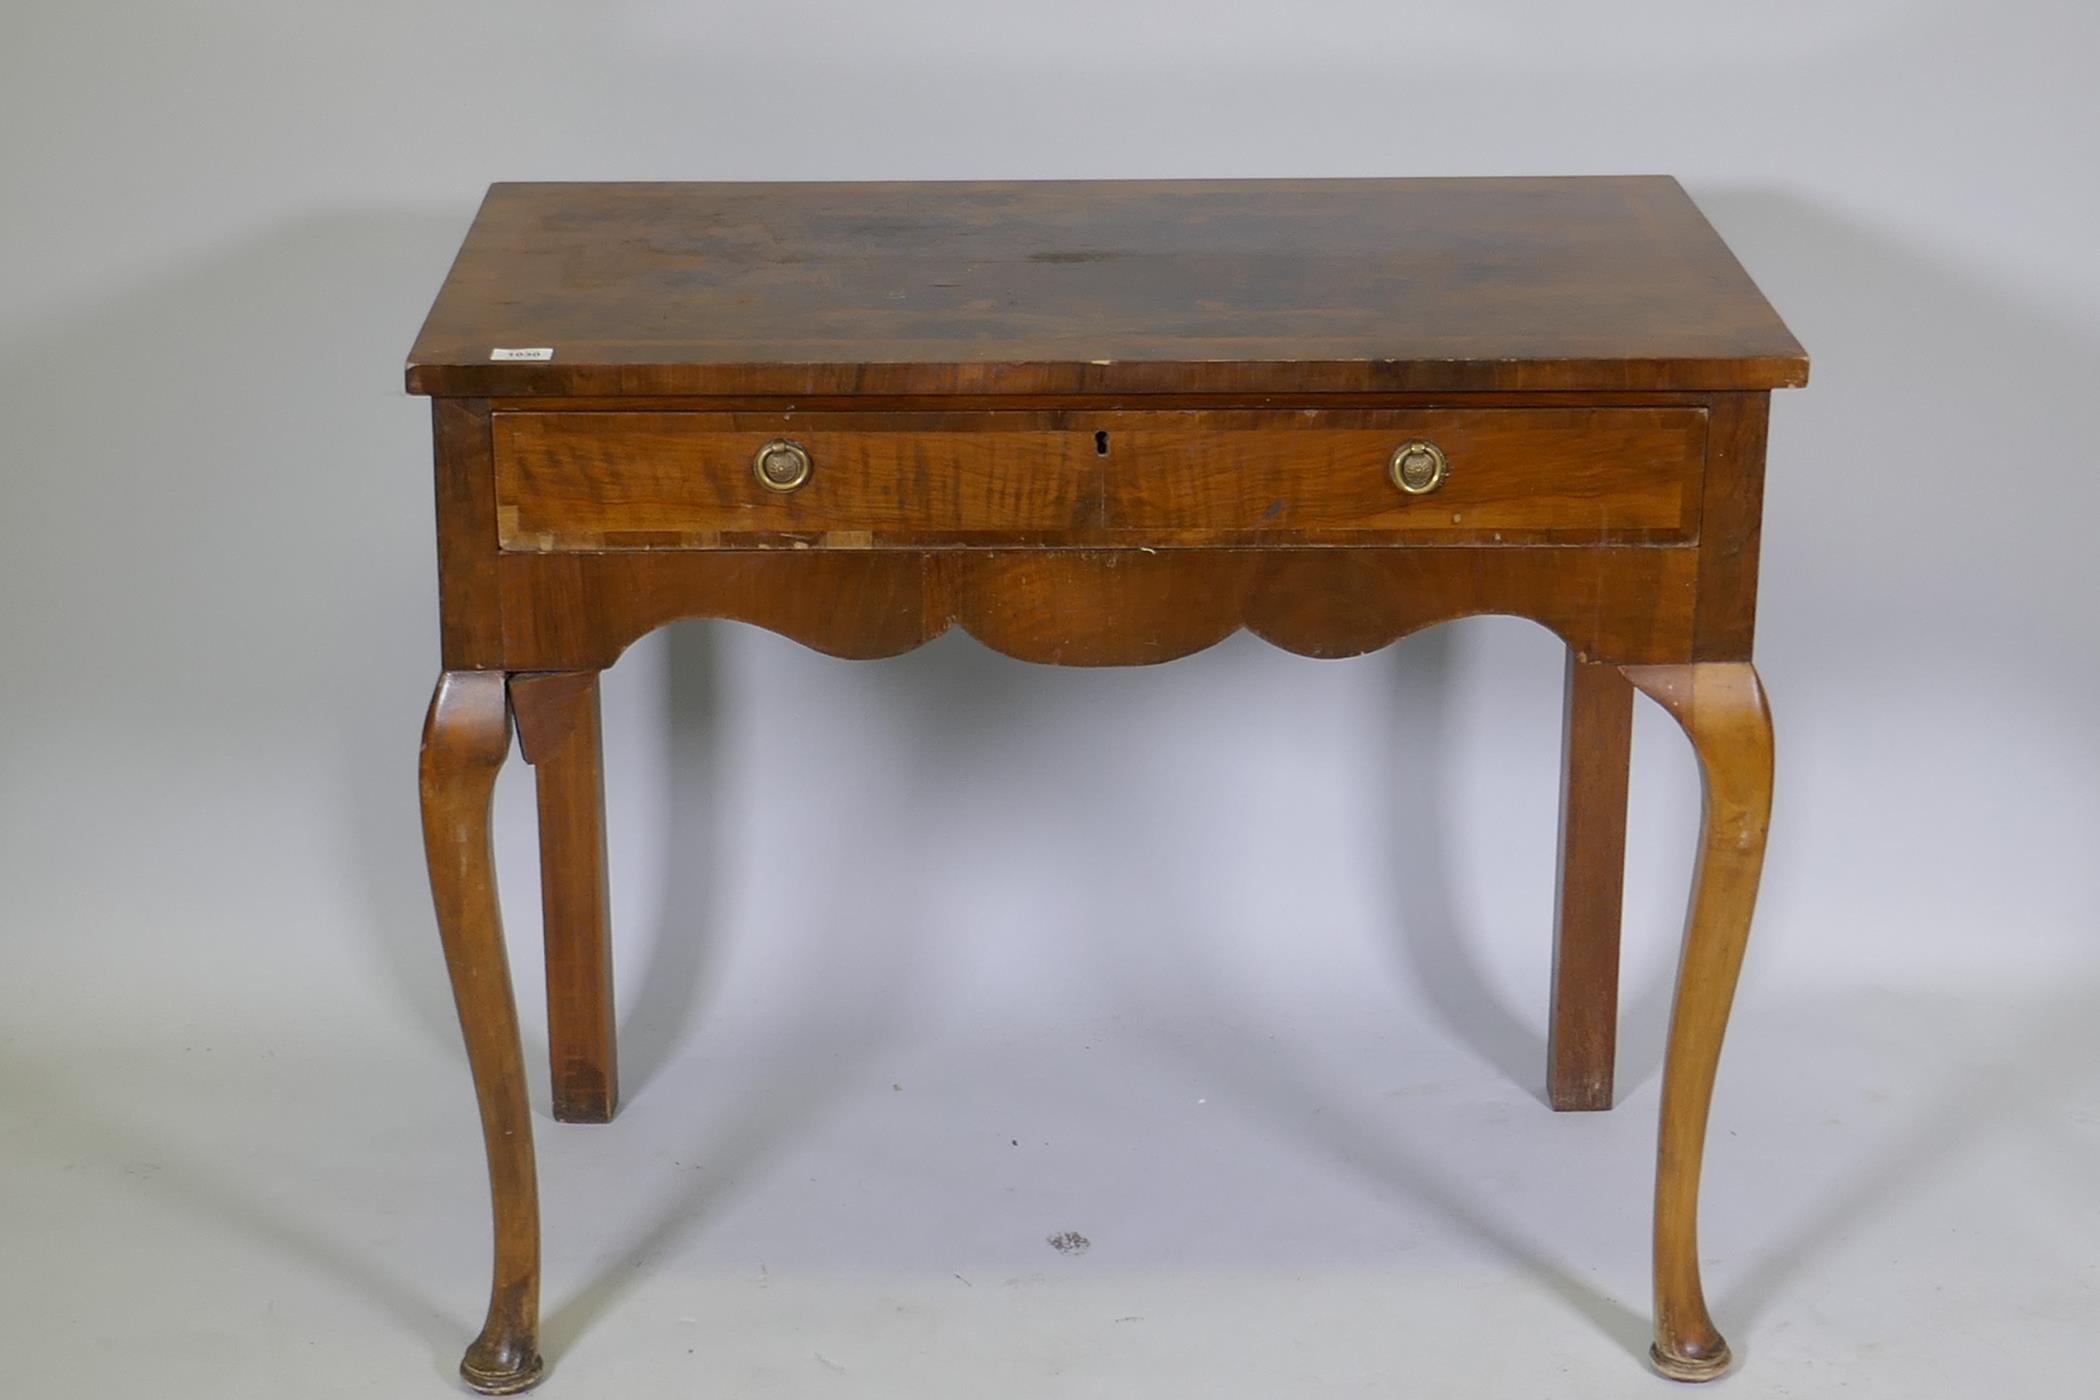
781, 465
1417, 466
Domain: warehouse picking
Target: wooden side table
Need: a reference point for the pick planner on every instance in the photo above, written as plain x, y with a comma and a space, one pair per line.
1095, 424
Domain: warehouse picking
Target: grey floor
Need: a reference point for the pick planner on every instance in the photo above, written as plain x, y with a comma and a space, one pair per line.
1312, 1200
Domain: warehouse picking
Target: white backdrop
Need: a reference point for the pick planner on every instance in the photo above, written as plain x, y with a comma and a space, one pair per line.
220, 227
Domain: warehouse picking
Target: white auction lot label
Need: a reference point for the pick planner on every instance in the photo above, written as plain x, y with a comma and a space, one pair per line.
502, 352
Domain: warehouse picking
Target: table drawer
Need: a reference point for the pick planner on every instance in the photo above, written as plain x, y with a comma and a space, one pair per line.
614, 479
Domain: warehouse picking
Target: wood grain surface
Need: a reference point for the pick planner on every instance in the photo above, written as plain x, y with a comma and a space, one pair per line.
1721, 708
1582, 1030
1095, 607
669, 480
1140, 286
559, 735
466, 737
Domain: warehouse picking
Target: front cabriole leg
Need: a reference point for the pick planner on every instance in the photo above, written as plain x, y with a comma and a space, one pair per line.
1721, 708
465, 740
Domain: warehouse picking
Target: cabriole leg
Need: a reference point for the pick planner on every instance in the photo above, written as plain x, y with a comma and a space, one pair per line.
465, 740
1721, 707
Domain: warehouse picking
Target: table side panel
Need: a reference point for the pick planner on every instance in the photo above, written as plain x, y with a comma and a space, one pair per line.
1731, 528
470, 620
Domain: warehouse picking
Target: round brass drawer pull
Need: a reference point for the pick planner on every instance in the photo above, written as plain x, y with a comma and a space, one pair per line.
781, 465
1417, 466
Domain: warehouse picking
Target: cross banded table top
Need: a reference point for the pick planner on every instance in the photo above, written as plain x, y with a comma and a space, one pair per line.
1227, 287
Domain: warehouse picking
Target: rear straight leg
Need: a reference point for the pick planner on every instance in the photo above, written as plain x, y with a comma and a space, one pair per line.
1582, 1021
558, 729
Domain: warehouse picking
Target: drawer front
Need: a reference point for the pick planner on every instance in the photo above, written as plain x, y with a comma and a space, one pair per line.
616, 480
